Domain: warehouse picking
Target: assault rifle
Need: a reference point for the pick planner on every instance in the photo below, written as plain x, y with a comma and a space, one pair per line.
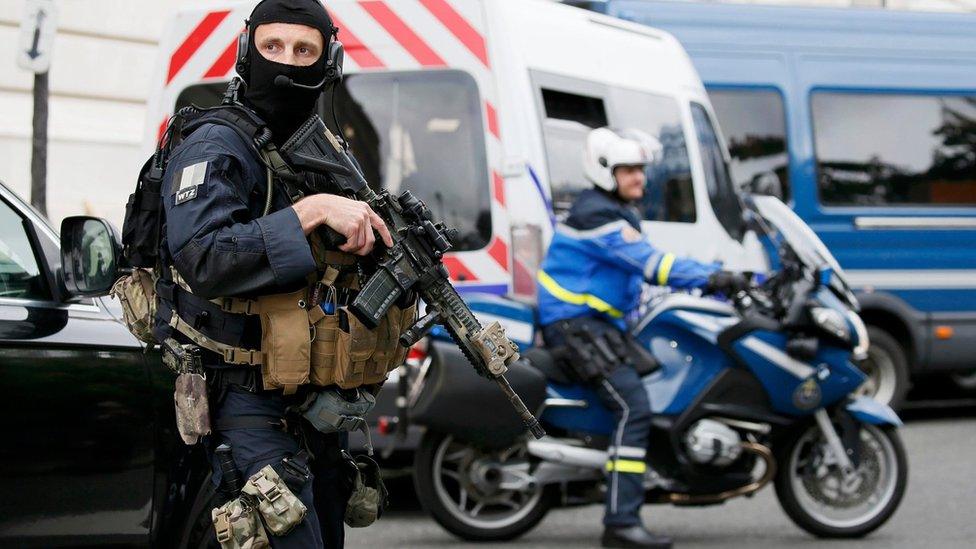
412, 264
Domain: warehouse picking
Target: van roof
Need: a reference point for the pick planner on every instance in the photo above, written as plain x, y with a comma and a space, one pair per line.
807, 28
604, 49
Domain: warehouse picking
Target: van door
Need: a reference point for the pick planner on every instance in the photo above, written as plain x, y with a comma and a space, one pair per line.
75, 409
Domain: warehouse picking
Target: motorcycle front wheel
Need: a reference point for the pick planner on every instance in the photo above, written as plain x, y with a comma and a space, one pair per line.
813, 492
478, 495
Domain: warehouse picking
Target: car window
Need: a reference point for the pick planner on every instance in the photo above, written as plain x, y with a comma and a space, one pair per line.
754, 124
895, 149
20, 276
721, 191
414, 130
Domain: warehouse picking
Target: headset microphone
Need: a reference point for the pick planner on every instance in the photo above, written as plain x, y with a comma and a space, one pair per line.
283, 81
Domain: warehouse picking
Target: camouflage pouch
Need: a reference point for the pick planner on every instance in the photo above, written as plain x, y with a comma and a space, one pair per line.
137, 295
238, 525
278, 506
192, 407
368, 498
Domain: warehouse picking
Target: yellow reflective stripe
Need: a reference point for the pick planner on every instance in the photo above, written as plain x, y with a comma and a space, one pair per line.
664, 269
627, 466
562, 294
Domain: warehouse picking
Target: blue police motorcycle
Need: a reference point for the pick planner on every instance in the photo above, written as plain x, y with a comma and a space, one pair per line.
758, 390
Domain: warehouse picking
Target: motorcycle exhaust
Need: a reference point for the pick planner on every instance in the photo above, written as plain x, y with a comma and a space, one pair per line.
565, 454
762, 451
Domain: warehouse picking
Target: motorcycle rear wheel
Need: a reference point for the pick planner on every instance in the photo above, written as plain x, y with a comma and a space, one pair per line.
459, 486
811, 492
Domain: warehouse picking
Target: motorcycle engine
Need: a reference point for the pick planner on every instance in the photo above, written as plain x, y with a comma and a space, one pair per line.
712, 443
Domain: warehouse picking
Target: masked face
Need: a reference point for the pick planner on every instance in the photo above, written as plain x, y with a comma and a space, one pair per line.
293, 51
288, 38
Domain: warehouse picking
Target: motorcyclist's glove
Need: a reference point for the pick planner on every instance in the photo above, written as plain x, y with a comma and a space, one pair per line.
726, 282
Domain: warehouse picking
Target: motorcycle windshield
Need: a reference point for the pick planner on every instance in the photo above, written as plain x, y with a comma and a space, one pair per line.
801, 238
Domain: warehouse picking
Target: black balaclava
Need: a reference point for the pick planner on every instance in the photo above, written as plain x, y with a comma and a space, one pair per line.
285, 108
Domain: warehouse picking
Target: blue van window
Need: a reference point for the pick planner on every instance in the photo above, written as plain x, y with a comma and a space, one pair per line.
754, 124
416, 130
721, 191
895, 150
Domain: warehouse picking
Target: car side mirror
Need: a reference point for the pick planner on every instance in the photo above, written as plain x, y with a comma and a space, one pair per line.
765, 183
91, 254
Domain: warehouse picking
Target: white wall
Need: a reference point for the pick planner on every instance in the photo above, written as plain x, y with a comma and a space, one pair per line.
103, 66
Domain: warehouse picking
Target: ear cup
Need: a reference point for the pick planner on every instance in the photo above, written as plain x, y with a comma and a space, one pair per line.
333, 66
243, 40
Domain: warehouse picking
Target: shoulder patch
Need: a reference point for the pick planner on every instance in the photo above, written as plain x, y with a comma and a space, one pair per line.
191, 177
630, 234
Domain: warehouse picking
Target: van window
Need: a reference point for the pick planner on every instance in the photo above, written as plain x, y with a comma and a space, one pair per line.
754, 125
421, 131
895, 150
569, 117
669, 194
721, 191
20, 276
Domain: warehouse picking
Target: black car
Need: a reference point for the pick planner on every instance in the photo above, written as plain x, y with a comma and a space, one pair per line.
90, 454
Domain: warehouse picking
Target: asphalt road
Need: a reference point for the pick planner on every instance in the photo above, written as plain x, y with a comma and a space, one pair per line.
939, 509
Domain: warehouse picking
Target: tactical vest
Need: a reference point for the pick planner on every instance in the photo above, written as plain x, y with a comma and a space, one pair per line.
307, 336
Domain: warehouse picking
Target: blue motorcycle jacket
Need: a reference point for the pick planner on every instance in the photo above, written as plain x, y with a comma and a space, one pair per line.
598, 259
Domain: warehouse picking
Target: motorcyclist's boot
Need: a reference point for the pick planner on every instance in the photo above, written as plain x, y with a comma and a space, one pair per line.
633, 536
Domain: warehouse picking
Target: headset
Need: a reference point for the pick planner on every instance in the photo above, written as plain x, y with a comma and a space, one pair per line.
333, 63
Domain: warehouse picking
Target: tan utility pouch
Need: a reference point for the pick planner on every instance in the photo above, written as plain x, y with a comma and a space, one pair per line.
238, 525
278, 506
325, 333
137, 295
365, 356
285, 340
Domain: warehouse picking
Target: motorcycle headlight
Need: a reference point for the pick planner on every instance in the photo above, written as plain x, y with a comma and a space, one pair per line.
832, 322
861, 331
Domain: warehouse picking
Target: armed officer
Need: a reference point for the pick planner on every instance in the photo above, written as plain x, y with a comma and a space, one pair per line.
589, 283
227, 233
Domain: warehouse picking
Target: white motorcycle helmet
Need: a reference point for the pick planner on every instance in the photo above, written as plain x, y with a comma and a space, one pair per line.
608, 148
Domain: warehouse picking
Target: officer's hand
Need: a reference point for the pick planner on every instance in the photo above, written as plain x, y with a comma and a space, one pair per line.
352, 219
727, 282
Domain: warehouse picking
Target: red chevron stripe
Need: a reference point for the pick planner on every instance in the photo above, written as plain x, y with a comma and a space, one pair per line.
459, 27
355, 48
225, 62
498, 184
193, 41
492, 116
403, 34
457, 270
499, 252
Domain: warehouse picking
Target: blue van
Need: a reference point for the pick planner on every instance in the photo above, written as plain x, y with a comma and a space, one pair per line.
865, 121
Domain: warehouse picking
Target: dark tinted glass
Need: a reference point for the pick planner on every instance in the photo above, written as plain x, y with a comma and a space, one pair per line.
20, 276
721, 192
754, 125
891, 150
420, 131
569, 118
669, 194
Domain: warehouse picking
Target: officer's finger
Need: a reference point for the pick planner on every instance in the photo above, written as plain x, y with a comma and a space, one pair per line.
380, 227
370, 239
353, 240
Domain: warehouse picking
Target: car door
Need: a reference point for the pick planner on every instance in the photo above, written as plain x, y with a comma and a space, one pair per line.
75, 406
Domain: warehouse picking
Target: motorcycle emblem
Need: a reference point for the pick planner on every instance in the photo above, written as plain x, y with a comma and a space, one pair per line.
807, 396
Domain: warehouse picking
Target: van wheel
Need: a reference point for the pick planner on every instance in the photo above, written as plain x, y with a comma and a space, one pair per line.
199, 532
887, 369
